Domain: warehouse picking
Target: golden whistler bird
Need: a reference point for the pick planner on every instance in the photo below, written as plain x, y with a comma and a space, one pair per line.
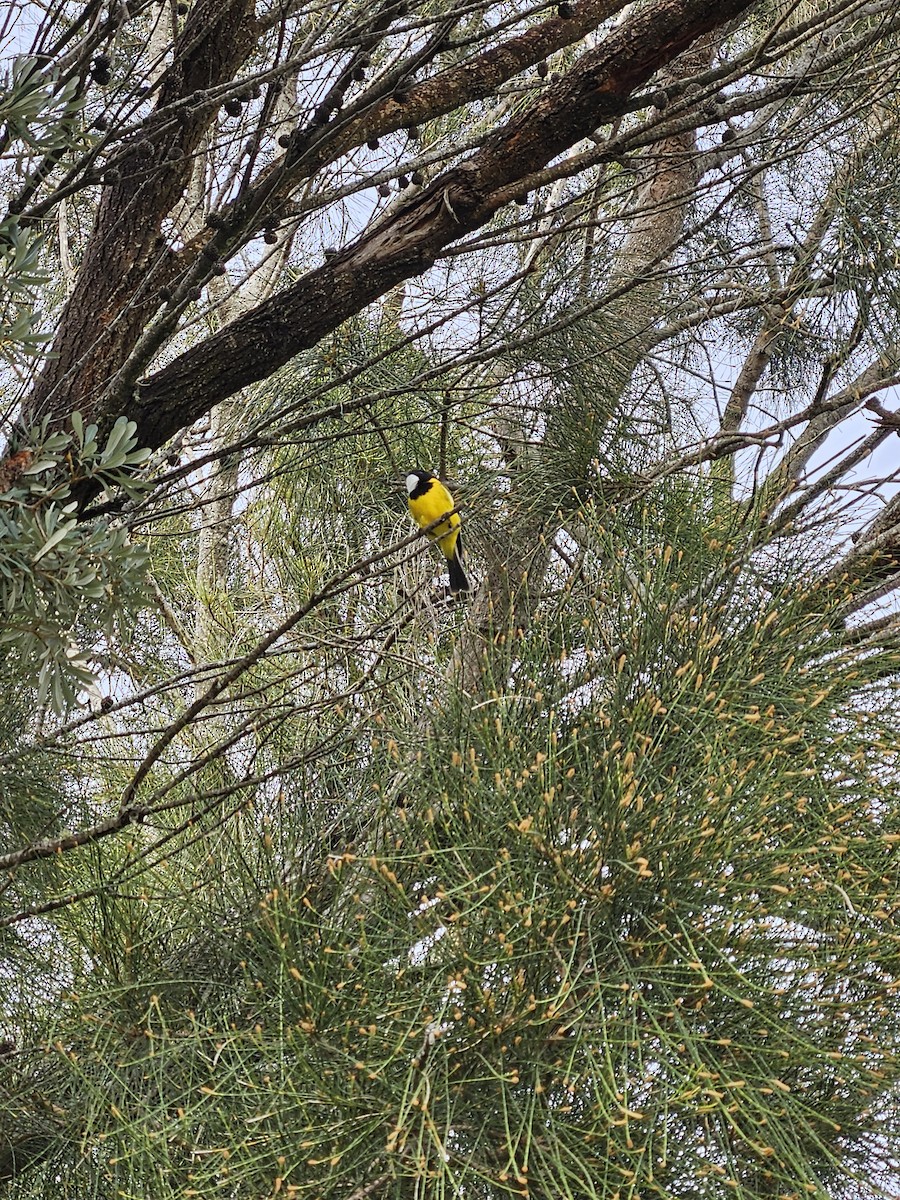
428, 499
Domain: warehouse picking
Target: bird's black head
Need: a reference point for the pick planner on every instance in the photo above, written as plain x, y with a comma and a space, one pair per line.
418, 482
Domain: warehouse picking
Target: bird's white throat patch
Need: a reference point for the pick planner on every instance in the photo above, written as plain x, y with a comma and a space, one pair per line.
412, 482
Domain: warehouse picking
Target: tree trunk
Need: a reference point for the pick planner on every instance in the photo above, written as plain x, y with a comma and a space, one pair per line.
596, 90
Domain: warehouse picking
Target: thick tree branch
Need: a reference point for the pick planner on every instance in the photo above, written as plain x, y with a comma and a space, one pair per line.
126, 265
122, 269
460, 84
407, 244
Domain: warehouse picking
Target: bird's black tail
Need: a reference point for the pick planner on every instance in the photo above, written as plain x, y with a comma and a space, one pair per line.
458, 580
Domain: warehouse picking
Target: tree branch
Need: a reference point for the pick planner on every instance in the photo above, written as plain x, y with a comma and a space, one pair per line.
124, 264
409, 242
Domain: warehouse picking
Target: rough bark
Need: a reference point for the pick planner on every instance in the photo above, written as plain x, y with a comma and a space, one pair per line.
460, 201
442, 93
126, 259
128, 265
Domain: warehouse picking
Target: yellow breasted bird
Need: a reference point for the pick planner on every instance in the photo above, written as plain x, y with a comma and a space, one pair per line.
428, 499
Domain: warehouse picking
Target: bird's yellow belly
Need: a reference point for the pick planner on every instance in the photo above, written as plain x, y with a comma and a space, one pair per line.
427, 509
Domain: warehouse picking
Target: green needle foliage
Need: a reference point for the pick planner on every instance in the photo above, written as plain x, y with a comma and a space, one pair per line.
315, 881
625, 929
